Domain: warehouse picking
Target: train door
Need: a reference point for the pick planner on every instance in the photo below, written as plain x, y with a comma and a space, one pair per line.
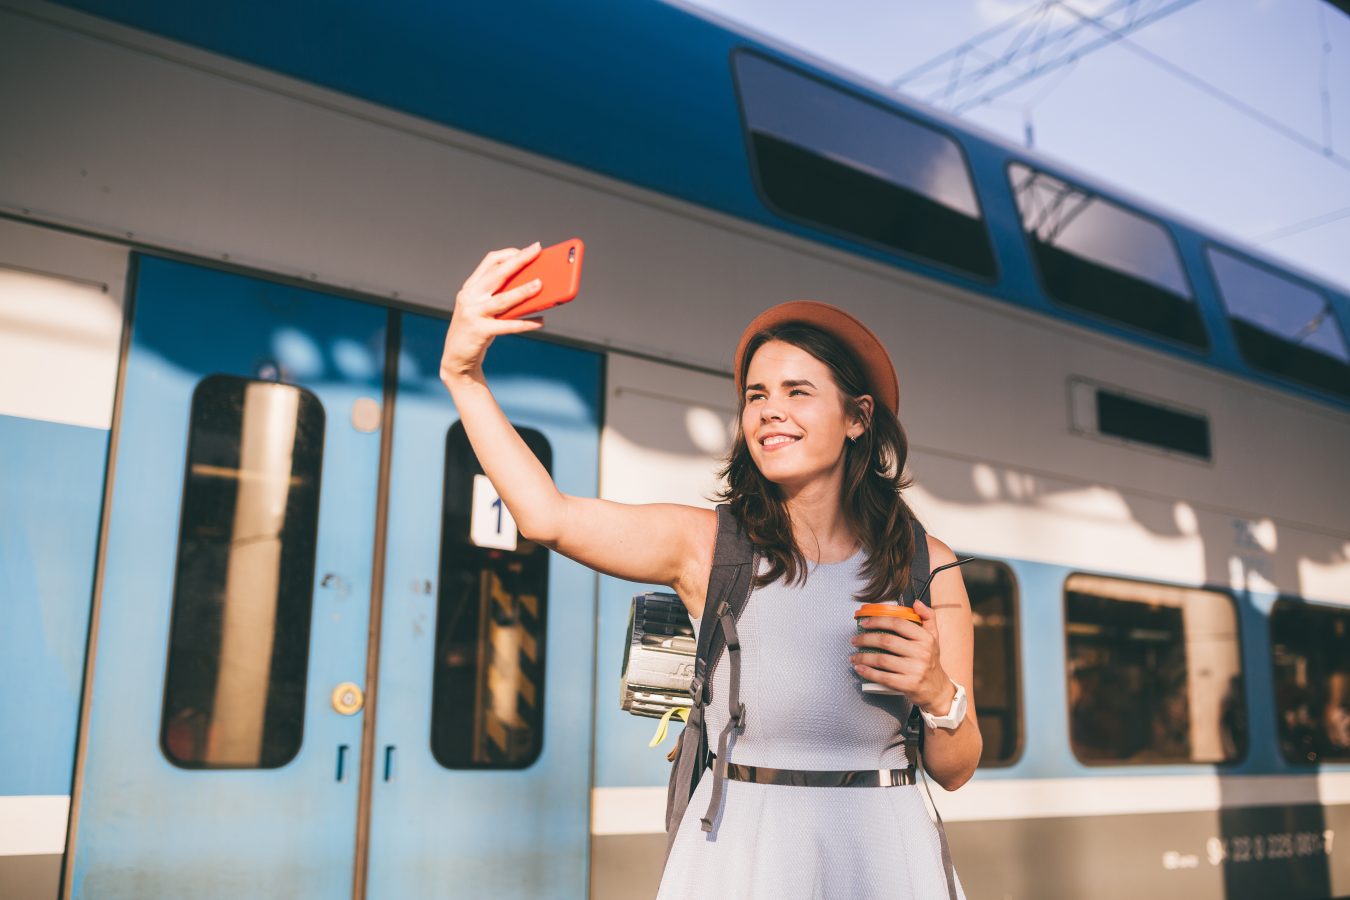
225, 730
484, 716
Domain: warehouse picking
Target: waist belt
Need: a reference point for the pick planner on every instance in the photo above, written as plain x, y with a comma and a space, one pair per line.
811, 778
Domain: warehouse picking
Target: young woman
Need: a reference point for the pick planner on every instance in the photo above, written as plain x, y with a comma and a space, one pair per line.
815, 478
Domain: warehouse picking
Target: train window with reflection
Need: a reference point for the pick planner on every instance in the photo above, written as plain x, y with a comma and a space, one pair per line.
1098, 257
840, 162
1154, 673
487, 703
993, 607
1281, 326
234, 693
1311, 649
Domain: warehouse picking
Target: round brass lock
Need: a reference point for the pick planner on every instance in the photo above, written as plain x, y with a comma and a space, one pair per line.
366, 415
348, 699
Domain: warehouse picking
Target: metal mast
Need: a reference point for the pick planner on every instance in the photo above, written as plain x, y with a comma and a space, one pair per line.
1043, 38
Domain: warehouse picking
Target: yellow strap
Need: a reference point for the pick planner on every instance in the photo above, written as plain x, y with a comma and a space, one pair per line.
681, 711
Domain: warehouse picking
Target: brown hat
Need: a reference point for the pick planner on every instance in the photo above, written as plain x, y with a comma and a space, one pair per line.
857, 337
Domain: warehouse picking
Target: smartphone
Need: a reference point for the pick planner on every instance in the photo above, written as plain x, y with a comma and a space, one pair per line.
559, 268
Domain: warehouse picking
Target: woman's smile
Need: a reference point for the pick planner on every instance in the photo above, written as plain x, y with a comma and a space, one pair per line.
778, 441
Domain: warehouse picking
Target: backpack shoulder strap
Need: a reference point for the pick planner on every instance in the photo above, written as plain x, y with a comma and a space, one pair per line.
919, 567
728, 591
732, 573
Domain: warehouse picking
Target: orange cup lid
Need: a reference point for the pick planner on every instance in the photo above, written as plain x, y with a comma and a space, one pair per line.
887, 609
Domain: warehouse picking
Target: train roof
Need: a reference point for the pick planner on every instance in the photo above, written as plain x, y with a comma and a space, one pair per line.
641, 92
974, 131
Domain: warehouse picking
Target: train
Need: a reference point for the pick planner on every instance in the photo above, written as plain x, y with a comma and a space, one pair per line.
267, 629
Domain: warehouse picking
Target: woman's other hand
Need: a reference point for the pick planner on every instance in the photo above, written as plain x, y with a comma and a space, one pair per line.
911, 662
474, 324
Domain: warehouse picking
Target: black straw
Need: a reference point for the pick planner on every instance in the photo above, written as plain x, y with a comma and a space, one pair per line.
933, 574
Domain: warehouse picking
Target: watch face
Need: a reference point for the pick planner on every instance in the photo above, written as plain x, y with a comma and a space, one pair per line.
954, 715
958, 712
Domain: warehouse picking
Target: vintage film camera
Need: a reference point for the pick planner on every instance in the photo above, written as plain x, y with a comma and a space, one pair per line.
658, 662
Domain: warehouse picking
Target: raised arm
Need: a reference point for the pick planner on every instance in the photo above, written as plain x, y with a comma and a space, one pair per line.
665, 543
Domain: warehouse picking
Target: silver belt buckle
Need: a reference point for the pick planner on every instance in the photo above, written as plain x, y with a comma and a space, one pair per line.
885, 778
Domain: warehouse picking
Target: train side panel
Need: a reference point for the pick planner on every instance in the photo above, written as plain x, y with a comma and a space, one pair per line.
300, 182
61, 306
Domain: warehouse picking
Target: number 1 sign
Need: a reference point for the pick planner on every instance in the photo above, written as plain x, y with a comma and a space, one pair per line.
490, 522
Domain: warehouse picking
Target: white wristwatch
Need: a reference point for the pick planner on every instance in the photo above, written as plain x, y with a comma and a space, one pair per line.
953, 716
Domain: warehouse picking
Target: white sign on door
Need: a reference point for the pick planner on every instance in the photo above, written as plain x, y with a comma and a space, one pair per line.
490, 522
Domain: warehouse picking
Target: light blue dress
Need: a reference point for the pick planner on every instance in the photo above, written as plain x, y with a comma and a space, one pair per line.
804, 710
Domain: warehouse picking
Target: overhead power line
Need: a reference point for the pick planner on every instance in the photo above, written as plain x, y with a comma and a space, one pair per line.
1053, 34
1241, 106
1036, 41
1305, 225
1325, 77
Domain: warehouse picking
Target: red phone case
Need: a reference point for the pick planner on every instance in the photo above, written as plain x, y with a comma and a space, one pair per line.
559, 268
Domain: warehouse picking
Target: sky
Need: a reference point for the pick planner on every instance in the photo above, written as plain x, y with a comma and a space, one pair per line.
1216, 111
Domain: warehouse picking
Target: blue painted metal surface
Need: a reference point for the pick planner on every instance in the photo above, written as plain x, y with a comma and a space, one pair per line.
437, 832
640, 91
49, 512
148, 828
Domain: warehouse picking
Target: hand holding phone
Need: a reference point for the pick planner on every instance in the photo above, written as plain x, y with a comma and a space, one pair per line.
558, 269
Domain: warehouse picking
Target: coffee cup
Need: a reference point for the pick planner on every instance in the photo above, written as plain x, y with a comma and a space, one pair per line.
877, 610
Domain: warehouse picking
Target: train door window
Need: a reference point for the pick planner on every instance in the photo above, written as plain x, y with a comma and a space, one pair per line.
1281, 326
838, 161
491, 616
1096, 256
239, 641
993, 607
1154, 673
1311, 649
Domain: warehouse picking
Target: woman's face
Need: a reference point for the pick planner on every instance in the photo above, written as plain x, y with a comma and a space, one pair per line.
794, 420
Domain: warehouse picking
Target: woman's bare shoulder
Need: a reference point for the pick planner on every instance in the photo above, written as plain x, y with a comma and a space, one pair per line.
939, 553
699, 527
949, 588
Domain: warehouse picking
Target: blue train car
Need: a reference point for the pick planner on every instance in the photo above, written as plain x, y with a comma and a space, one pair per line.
268, 631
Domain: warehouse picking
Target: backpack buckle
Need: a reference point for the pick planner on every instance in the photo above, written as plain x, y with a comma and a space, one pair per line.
696, 689
738, 717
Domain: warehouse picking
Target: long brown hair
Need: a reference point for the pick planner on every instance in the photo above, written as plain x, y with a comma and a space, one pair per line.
874, 477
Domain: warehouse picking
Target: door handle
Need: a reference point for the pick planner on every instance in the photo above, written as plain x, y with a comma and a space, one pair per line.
342, 763
389, 762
